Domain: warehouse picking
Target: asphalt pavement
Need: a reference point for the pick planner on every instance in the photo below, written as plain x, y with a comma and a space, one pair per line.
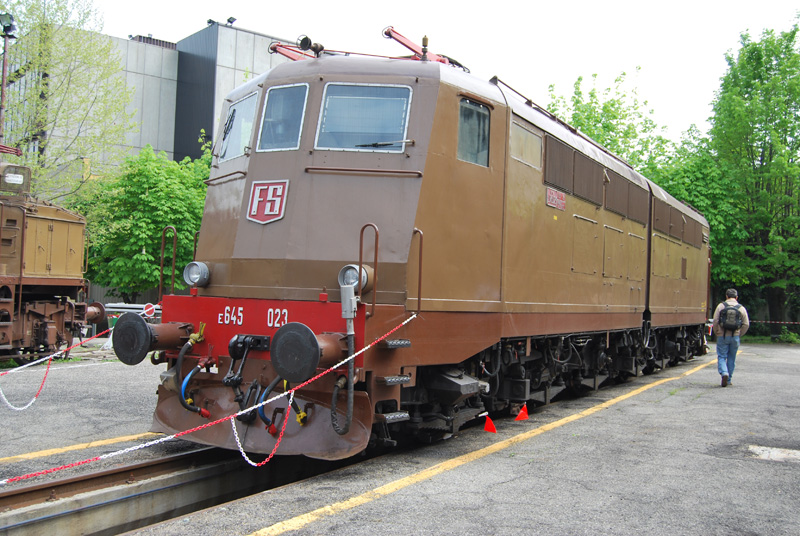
666, 454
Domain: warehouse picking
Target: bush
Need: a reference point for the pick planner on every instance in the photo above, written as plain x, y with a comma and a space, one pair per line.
788, 337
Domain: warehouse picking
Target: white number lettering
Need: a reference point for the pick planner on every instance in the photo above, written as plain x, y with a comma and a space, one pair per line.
277, 317
231, 315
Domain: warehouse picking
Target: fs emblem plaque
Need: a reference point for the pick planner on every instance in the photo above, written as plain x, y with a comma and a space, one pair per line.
267, 201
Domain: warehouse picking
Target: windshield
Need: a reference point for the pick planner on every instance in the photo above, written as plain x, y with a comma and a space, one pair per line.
283, 118
238, 128
364, 118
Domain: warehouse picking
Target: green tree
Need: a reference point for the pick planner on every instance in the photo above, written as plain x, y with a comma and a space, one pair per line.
616, 119
126, 216
755, 135
67, 95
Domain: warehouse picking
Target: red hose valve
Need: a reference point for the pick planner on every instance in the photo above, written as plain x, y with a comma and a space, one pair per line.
205, 413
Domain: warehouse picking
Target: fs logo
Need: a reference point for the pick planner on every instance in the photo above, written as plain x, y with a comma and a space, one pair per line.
267, 201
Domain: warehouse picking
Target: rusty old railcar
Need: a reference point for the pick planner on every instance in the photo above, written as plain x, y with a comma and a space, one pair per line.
349, 194
41, 272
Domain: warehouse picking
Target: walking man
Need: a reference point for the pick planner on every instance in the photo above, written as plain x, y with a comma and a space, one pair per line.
730, 323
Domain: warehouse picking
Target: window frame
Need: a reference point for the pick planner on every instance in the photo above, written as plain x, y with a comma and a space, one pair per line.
406, 117
264, 113
483, 106
244, 152
519, 159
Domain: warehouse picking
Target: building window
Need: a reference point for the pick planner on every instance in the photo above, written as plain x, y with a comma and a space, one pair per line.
238, 128
364, 118
473, 133
283, 118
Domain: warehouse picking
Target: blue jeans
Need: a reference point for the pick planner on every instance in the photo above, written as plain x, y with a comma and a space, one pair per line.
726, 354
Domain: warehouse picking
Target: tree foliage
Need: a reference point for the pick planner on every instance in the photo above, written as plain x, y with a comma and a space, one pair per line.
755, 136
617, 119
126, 216
66, 95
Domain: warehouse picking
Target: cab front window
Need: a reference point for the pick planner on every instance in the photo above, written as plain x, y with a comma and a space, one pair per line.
283, 118
358, 117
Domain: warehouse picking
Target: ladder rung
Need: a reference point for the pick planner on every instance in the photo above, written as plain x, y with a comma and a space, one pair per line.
395, 416
394, 380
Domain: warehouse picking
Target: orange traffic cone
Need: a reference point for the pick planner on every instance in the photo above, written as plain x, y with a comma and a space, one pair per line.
523, 413
489, 426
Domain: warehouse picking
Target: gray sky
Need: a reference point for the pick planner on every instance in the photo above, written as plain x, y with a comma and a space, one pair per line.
680, 45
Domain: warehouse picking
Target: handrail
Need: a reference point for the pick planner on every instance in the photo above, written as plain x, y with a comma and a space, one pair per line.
419, 276
209, 181
194, 251
174, 253
372, 171
22, 243
374, 268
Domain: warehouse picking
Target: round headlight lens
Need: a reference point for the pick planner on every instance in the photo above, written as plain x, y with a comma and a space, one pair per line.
349, 276
196, 274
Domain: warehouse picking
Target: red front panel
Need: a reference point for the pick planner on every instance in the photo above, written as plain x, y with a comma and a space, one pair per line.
226, 317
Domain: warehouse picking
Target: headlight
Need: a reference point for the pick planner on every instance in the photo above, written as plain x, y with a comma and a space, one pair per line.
196, 274
349, 276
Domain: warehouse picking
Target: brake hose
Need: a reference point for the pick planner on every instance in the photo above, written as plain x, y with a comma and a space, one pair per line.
185, 403
264, 396
190, 407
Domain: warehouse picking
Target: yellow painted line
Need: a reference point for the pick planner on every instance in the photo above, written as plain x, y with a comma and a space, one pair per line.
103, 442
301, 521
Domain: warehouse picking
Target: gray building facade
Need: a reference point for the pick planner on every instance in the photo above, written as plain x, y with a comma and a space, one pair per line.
179, 87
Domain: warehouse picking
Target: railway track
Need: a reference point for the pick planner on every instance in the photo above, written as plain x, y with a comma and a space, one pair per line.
125, 498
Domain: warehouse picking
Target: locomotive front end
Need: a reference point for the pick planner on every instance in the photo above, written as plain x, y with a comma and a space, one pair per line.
312, 162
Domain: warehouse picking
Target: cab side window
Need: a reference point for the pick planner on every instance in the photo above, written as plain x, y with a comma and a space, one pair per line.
238, 128
473, 132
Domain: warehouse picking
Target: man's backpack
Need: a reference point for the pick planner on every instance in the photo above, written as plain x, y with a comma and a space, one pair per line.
730, 318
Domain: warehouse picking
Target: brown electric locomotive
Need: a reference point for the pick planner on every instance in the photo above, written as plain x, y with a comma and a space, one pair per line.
41, 272
350, 195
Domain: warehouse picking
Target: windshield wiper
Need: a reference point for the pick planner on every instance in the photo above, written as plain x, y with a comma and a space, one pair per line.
384, 143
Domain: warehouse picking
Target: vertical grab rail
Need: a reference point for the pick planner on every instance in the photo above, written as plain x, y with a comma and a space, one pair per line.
24, 232
174, 253
194, 251
374, 269
419, 276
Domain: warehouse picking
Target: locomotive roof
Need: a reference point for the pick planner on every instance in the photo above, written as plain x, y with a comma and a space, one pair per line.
372, 66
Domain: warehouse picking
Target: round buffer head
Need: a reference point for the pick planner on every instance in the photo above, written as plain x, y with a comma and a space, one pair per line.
132, 338
295, 352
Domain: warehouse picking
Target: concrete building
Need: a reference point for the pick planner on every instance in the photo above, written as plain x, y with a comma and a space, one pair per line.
179, 87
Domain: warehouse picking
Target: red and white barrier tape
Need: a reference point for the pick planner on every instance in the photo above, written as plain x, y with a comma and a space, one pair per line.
278, 442
32, 363
771, 322
164, 439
